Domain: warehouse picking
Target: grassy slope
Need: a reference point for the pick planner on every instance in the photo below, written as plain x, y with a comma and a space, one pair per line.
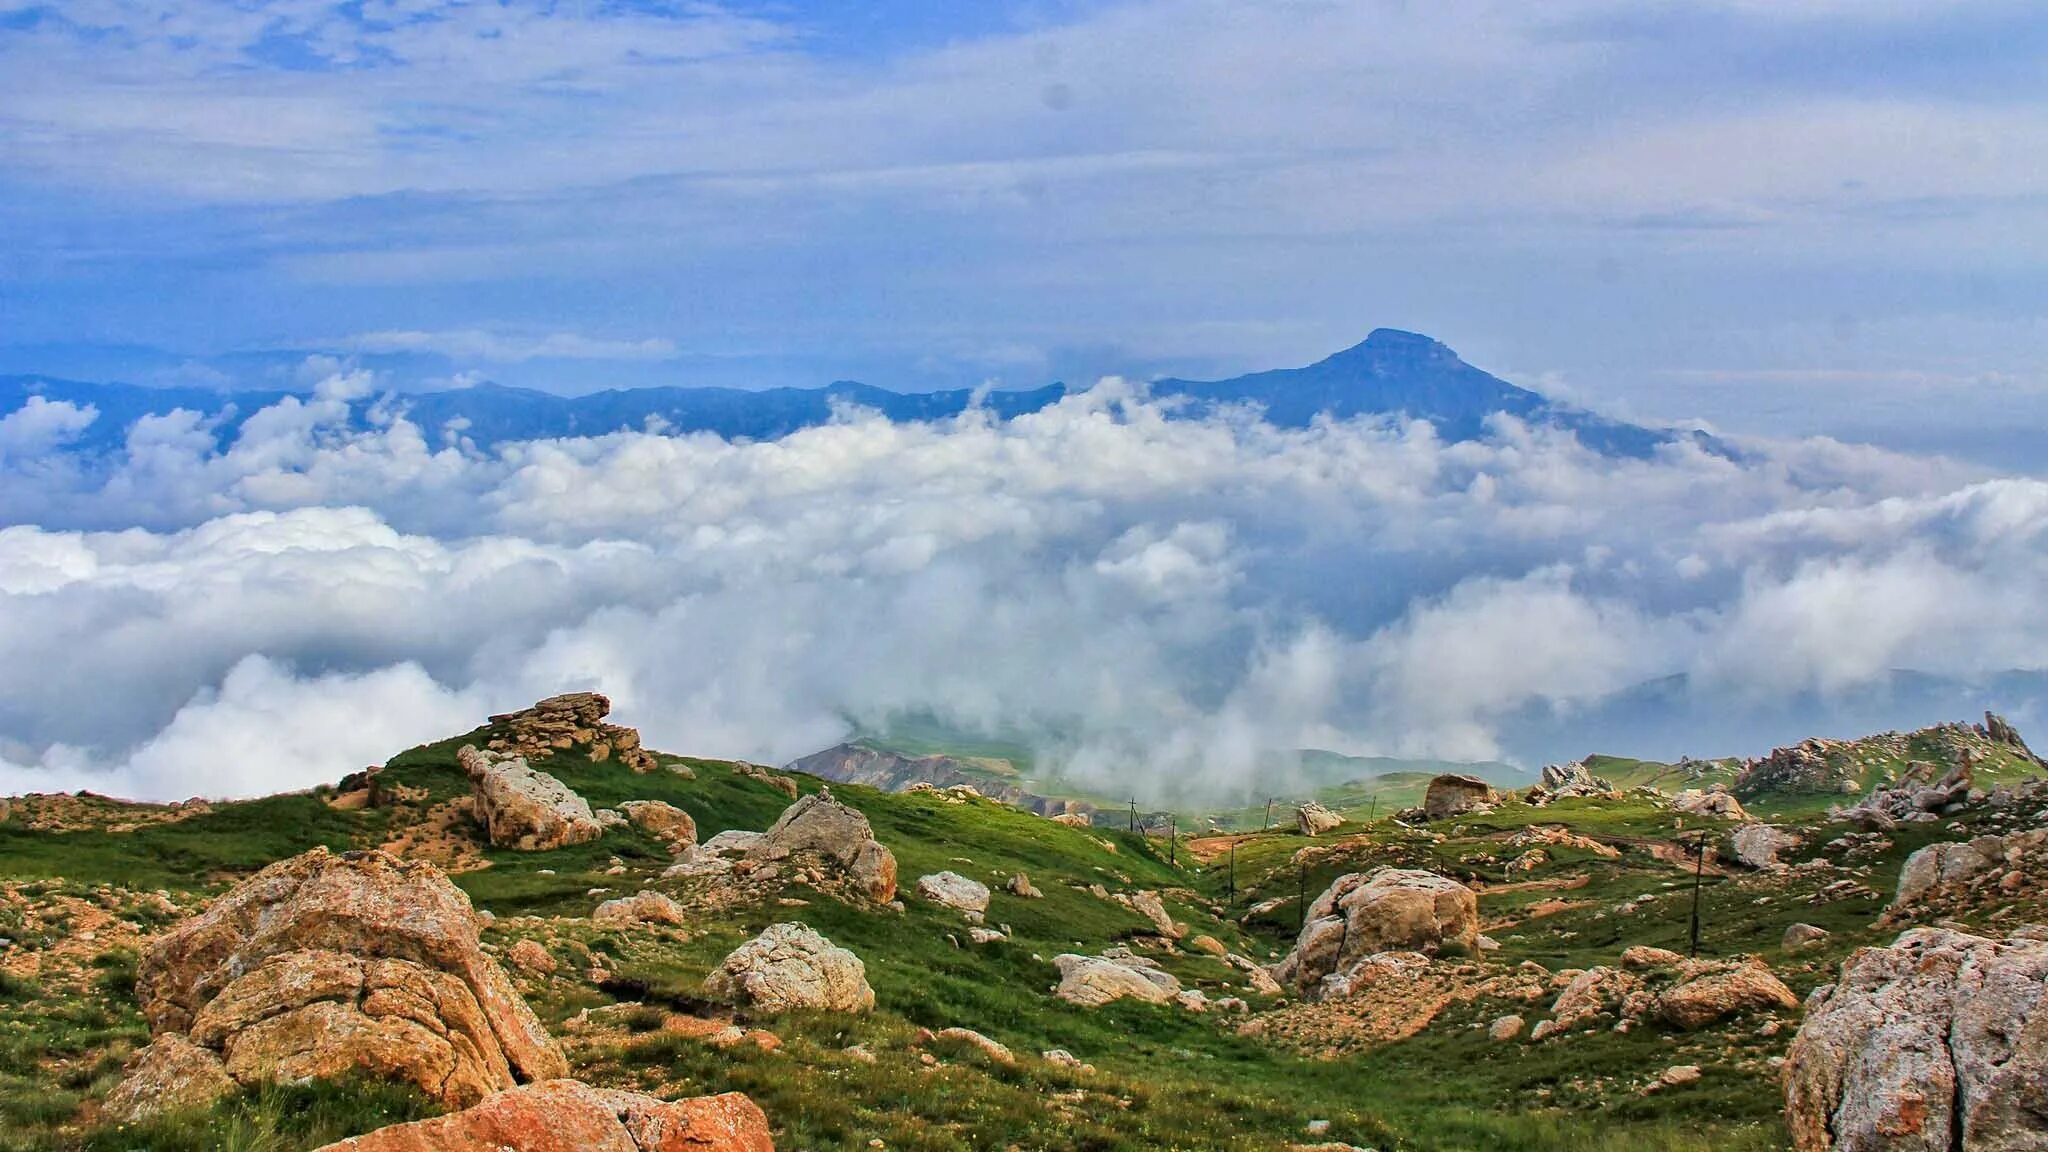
1168, 1079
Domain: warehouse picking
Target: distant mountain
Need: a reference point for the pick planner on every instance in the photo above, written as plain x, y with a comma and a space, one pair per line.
1390, 373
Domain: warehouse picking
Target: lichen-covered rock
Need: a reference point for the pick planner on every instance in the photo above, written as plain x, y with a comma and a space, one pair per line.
1574, 779
953, 890
571, 720
570, 1116
1451, 794
532, 957
663, 821
1758, 845
523, 808
1020, 886
1716, 996
322, 965
790, 966
1802, 936
1937, 1042
169, 1074
1092, 981
1148, 905
821, 827
640, 908
1390, 910
1941, 865
1312, 819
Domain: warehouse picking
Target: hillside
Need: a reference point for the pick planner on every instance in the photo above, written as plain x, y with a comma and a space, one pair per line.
1406, 1059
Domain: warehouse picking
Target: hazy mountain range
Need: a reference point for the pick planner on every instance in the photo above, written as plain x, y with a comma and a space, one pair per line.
1389, 373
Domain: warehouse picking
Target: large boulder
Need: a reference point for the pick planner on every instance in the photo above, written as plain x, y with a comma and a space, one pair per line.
663, 821
820, 826
1312, 819
1937, 1042
523, 808
952, 890
1708, 999
324, 965
1389, 910
1716, 801
1949, 864
790, 966
1758, 845
1451, 794
1092, 981
570, 1116
640, 908
1574, 779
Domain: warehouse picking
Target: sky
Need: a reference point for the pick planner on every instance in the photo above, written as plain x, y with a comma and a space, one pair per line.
1780, 217
1816, 226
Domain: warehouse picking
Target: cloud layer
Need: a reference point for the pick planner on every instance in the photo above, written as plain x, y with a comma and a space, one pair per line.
1173, 606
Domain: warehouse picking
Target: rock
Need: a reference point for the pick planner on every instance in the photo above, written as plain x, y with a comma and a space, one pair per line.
782, 784
985, 935
1504, 1028
818, 827
1148, 905
954, 891
731, 842
1020, 886
169, 1074
1451, 794
1937, 1042
524, 809
1073, 820
1589, 994
789, 966
642, 908
1644, 956
1749, 988
972, 1039
663, 821
1209, 945
1065, 1059
2001, 732
1676, 1076
531, 957
1543, 1030
1093, 981
1256, 975
1715, 801
1312, 819
1573, 779
1192, 999
1389, 910
570, 1116
1758, 845
1942, 865
1802, 936
322, 964
560, 723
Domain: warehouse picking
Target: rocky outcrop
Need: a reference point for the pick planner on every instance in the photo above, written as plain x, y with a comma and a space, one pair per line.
1451, 795
1568, 780
569, 1116
663, 821
1812, 765
1758, 845
568, 722
820, 829
1312, 819
952, 890
169, 1074
523, 808
790, 966
1390, 910
1709, 999
1999, 731
641, 908
1955, 867
324, 965
1935, 1043
1118, 974
1716, 801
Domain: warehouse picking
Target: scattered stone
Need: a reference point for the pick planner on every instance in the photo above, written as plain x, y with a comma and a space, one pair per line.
1209, 945
1932, 1044
642, 908
969, 1037
1020, 886
782, 784
1644, 956
1571, 780
531, 957
1799, 936
1504, 1028
1092, 981
952, 890
1676, 1076
663, 821
570, 1116
985, 935
1066, 1059
522, 808
790, 966
1715, 801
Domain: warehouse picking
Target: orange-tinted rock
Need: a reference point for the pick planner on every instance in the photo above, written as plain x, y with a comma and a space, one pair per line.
570, 1116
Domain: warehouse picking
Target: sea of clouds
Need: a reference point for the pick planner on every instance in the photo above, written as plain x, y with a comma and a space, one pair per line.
1180, 601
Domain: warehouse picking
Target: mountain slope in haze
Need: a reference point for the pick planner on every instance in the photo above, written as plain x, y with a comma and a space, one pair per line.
1390, 373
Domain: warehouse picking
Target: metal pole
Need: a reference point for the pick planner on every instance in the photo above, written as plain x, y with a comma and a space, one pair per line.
1172, 844
1134, 813
1233, 874
1699, 866
1269, 815
1300, 894
1374, 810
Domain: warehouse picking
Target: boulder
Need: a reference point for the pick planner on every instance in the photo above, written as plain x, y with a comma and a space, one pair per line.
1574, 779
1644, 956
1148, 905
1758, 845
169, 1074
1716, 801
731, 842
640, 908
820, 827
1941, 865
1020, 886
1935, 1043
790, 966
560, 723
1504, 1028
1799, 936
1451, 794
531, 957
326, 964
1092, 981
663, 821
953, 890
1711, 998
1312, 819
968, 1037
525, 809
1389, 910
570, 1116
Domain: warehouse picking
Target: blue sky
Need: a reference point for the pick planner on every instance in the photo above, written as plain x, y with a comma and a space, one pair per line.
1777, 215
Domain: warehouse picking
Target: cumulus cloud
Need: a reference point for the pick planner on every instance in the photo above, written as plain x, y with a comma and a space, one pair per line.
1169, 607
